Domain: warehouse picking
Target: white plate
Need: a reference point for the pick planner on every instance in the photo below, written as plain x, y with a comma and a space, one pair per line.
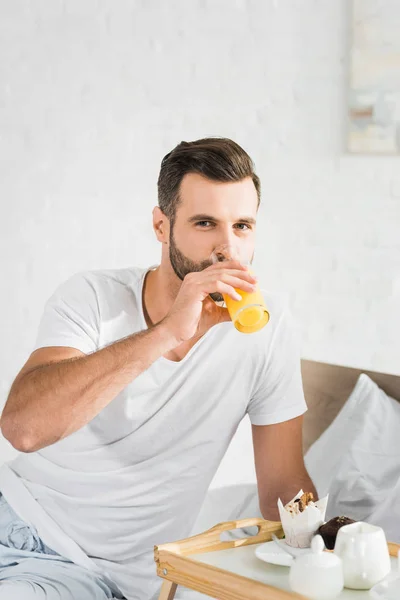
271, 552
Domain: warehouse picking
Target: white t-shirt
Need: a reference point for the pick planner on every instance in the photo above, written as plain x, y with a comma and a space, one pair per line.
136, 475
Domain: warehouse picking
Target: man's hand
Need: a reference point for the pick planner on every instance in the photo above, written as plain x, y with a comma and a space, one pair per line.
193, 311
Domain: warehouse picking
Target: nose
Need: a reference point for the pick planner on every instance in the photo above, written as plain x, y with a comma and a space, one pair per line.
226, 237
225, 247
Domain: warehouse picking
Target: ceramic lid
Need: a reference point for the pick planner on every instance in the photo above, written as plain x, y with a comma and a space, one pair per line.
317, 558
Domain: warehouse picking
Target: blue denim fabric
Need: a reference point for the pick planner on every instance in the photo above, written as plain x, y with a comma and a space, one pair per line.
30, 570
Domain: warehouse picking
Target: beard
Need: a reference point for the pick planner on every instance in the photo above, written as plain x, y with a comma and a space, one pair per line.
182, 265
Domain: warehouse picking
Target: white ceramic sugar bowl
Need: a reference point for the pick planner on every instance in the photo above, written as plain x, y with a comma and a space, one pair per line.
317, 575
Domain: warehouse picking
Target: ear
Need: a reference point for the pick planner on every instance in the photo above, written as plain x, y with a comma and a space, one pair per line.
161, 225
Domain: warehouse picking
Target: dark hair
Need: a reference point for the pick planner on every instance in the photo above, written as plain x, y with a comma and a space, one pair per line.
217, 159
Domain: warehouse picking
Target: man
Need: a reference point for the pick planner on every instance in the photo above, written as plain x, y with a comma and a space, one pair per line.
135, 388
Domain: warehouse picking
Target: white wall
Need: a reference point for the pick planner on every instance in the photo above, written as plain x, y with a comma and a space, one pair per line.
94, 94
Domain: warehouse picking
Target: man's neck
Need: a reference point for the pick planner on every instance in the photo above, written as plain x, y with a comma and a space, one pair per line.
160, 289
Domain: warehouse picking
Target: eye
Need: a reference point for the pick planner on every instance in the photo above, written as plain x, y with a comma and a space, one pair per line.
242, 226
204, 224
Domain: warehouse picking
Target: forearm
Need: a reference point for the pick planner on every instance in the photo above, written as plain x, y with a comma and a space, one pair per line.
285, 490
54, 400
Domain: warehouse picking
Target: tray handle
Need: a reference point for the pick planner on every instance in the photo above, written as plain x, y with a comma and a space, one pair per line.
263, 526
210, 540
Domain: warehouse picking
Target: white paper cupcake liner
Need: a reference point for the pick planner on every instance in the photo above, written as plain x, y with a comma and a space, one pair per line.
300, 528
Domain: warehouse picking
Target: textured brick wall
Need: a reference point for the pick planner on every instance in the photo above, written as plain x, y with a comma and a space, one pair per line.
93, 93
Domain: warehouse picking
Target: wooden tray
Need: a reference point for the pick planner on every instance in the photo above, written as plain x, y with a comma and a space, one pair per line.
229, 570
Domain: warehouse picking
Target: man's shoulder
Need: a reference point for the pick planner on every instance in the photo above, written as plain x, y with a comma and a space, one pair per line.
124, 276
99, 287
107, 278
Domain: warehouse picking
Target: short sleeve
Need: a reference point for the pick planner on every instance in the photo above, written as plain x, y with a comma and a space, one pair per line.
279, 393
71, 316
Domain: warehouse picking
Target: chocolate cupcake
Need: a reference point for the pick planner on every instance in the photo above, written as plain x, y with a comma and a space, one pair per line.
329, 530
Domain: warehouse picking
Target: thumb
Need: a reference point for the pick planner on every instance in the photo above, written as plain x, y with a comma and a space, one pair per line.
220, 313
223, 314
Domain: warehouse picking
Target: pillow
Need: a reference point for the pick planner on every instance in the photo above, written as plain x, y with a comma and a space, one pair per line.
357, 459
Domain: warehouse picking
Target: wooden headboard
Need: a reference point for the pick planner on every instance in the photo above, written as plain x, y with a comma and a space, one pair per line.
326, 389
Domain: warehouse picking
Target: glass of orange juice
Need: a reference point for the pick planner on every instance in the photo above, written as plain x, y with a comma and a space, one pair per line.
250, 313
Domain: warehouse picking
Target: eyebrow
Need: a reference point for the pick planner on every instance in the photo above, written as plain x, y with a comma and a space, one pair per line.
195, 218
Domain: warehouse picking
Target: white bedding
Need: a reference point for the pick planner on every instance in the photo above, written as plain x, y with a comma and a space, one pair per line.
357, 459
7, 452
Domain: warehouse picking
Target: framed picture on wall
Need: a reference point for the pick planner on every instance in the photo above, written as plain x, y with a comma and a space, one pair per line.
374, 96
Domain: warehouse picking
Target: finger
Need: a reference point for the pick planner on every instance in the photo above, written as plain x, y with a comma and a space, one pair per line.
224, 288
223, 273
228, 264
219, 312
211, 287
245, 275
240, 284
235, 282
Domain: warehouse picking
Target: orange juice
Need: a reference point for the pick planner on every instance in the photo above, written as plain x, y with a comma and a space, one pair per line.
248, 314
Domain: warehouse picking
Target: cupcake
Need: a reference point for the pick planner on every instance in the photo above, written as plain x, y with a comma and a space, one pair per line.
328, 531
301, 518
